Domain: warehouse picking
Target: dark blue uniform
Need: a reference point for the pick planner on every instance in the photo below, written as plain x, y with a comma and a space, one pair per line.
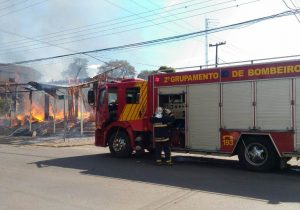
162, 133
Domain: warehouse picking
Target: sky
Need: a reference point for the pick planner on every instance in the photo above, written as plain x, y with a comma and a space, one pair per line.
32, 29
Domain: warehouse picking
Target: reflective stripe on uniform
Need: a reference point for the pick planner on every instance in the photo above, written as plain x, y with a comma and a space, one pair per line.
161, 139
160, 125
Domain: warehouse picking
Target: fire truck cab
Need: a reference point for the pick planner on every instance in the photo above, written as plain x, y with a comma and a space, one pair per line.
122, 116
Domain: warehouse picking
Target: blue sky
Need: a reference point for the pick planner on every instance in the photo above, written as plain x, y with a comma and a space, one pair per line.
96, 24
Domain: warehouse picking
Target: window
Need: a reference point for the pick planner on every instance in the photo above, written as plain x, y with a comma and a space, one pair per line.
132, 95
112, 95
102, 97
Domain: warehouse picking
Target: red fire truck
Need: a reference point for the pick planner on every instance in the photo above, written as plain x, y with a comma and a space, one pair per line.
252, 111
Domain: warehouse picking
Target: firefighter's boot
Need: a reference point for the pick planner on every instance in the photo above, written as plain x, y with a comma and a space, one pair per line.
169, 162
158, 162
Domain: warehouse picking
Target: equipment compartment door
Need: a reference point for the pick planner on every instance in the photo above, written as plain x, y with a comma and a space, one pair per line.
297, 144
274, 104
237, 105
203, 117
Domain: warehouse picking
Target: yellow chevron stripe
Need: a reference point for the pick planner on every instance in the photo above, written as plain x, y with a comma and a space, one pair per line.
142, 104
131, 111
127, 111
139, 106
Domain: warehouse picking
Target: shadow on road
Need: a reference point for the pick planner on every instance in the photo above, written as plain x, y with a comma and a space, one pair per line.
197, 173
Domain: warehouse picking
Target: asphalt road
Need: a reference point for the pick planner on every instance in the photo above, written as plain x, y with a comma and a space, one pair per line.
87, 177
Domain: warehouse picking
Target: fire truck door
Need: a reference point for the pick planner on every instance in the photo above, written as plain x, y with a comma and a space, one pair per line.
102, 110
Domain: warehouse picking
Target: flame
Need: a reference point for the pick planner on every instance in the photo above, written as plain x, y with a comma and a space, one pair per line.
59, 115
85, 115
37, 113
20, 117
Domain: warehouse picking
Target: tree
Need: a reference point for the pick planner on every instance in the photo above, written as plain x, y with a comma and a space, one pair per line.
76, 69
144, 74
166, 69
120, 69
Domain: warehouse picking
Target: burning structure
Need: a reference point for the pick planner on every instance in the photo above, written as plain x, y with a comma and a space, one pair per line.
12, 96
31, 108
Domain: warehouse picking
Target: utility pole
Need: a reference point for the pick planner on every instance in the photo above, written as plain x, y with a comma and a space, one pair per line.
217, 46
209, 23
206, 41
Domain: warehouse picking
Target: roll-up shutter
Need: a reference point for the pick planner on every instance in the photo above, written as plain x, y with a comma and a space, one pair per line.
237, 106
203, 117
274, 104
298, 114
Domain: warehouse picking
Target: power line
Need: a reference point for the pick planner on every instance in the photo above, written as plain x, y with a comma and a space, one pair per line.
116, 5
75, 29
293, 4
187, 23
140, 5
18, 10
109, 25
166, 39
48, 43
127, 30
237, 62
291, 9
13, 5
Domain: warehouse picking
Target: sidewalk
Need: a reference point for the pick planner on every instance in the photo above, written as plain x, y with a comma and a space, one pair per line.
69, 142
55, 141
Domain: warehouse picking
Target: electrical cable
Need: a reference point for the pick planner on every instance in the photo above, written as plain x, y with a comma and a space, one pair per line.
75, 30
186, 23
13, 5
116, 5
166, 39
127, 30
18, 10
291, 9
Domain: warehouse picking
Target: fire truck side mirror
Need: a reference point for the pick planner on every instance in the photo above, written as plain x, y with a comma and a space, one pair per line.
91, 97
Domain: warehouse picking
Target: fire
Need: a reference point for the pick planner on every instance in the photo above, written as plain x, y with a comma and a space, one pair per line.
20, 117
85, 115
37, 113
59, 115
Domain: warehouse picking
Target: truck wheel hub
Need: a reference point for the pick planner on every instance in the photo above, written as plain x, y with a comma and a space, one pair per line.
257, 154
119, 144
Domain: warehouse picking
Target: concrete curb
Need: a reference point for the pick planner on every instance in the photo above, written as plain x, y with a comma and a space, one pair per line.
66, 144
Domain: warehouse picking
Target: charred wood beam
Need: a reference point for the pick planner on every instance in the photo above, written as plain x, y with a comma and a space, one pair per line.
46, 108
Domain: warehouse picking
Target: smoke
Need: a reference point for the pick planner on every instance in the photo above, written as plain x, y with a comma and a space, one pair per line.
36, 22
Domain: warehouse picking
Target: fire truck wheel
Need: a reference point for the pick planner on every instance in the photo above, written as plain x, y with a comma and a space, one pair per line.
258, 155
119, 144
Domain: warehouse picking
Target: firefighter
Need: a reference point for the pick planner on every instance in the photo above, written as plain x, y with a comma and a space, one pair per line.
162, 121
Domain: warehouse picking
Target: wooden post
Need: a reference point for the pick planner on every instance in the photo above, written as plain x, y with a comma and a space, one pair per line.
81, 115
30, 112
46, 107
54, 116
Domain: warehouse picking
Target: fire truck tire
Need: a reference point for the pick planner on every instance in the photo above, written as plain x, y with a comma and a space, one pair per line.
119, 144
258, 154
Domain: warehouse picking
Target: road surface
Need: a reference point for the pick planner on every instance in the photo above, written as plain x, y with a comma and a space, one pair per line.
87, 177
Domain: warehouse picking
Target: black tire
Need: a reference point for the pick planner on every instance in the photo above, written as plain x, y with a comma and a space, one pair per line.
259, 156
119, 144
